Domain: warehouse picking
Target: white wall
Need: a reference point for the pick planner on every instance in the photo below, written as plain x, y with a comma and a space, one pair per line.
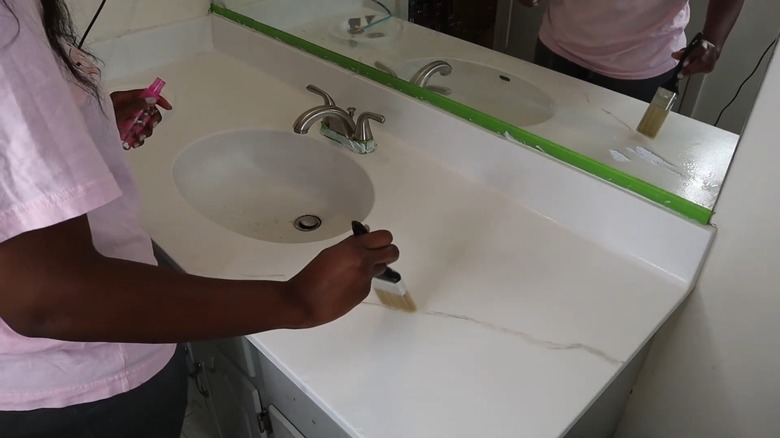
123, 16
714, 370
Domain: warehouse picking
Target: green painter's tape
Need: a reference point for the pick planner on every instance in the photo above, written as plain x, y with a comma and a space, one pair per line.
660, 196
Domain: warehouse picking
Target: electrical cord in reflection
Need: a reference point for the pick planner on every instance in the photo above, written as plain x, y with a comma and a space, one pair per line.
755, 69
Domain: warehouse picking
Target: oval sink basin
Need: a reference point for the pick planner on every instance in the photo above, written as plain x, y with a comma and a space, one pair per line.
488, 90
259, 182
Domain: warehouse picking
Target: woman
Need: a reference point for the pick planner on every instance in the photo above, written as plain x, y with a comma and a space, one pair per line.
88, 323
629, 46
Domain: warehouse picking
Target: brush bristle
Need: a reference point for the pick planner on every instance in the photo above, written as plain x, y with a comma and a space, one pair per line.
401, 302
652, 121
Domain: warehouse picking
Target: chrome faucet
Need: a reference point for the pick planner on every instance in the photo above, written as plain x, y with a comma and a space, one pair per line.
424, 75
332, 116
356, 135
338, 124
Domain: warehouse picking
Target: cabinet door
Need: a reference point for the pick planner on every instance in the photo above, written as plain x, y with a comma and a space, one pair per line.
281, 426
296, 405
200, 407
235, 398
245, 357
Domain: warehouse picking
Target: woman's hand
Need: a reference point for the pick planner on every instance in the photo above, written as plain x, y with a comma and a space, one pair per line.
339, 278
127, 104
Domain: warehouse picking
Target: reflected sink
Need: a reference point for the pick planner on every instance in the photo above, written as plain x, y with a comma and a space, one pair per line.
258, 182
488, 90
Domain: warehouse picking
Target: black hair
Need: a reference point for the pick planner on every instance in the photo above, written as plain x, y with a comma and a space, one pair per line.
58, 25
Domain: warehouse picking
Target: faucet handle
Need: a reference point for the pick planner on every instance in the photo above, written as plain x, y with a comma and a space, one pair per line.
322, 93
363, 132
351, 110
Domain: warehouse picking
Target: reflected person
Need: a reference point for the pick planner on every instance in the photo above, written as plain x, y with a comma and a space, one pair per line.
629, 46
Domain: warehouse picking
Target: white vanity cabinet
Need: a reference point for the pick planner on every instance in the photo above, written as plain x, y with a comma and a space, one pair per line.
200, 406
236, 401
250, 398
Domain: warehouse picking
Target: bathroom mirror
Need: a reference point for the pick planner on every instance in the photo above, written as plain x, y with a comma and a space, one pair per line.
474, 58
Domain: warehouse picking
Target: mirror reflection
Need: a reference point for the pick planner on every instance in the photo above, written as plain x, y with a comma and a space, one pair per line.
596, 77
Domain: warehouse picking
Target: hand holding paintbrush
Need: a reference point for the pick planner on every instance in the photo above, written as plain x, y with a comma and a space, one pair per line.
389, 286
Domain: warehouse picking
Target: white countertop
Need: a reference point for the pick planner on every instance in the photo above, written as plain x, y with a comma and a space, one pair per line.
521, 323
688, 158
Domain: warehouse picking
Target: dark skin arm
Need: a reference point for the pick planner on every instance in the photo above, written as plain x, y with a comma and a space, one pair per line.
56, 285
721, 16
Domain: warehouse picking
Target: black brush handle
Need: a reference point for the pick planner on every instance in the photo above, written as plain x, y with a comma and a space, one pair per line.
671, 84
390, 275
358, 229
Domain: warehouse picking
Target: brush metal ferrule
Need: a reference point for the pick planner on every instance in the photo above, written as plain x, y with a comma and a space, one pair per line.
388, 287
664, 98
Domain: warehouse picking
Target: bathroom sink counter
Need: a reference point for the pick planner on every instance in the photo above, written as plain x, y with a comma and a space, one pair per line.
523, 319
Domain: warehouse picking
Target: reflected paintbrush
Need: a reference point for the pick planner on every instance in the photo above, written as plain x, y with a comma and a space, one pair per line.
665, 97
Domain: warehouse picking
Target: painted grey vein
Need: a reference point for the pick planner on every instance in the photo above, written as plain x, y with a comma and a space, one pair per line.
549, 345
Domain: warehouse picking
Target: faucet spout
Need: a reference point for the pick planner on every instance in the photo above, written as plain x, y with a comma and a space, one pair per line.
306, 120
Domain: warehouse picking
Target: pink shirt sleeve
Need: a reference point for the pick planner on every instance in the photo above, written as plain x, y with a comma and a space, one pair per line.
50, 169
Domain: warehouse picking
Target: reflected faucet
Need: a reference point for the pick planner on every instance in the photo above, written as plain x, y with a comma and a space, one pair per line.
435, 88
424, 75
356, 136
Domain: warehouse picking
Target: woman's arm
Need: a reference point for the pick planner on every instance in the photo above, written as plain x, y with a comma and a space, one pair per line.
56, 285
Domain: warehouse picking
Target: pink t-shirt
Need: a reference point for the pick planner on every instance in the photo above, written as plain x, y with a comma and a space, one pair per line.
61, 157
622, 39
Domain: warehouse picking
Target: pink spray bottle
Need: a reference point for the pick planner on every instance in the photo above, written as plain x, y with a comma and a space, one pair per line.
136, 124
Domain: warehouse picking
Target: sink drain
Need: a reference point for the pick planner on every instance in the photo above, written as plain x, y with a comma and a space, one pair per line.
307, 223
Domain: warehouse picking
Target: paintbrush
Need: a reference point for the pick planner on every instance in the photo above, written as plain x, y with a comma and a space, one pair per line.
664, 98
389, 286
